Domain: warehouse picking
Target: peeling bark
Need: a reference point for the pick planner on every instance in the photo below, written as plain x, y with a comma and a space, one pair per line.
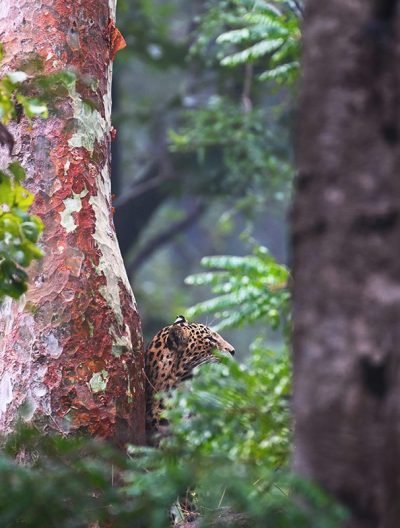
71, 349
346, 232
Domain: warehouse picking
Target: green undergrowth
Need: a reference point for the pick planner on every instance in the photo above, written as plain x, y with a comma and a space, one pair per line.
229, 444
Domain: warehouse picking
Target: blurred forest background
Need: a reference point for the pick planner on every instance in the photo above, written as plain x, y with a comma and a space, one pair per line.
202, 164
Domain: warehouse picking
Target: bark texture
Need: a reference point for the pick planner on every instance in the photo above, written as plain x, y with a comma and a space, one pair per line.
71, 350
346, 258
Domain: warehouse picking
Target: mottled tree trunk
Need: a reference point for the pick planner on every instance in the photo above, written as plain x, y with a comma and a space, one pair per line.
71, 349
346, 258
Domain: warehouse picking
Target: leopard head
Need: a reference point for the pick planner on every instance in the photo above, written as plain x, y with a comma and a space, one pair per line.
172, 355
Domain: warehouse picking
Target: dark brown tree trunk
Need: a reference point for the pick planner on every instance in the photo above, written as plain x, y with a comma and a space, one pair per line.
346, 258
71, 349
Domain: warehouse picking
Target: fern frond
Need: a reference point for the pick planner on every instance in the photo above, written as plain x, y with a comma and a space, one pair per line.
247, 289
253, 52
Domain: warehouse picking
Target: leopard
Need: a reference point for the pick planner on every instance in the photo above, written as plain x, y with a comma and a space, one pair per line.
170, 358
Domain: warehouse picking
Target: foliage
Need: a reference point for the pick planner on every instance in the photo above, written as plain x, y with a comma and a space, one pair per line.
240, 425
240, 143
239, 410
61, 482
247, 289
271, 32
29, 91
229, 444
233, 452
238, 151
19, 232
247, 32
21, 93
228, 132
13, 101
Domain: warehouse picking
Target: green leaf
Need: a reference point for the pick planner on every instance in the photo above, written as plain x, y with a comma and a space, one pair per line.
23, 199
6, 190
234, 37
17, 171
253, 52
31, 231
32, 107
12, 280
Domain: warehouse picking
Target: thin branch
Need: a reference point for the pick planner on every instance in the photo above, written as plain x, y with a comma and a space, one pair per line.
246, 94
155, 243
139, 188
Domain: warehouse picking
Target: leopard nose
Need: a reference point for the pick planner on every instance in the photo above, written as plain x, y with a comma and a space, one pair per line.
232, 351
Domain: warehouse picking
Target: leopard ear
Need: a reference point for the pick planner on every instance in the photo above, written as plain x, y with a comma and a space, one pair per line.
176, 337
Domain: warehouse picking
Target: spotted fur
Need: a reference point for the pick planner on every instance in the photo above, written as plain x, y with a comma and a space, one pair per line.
172, 355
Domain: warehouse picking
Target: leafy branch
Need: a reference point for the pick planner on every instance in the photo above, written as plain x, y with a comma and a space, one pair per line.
270, 32
237, 32
20, 230
246, 289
